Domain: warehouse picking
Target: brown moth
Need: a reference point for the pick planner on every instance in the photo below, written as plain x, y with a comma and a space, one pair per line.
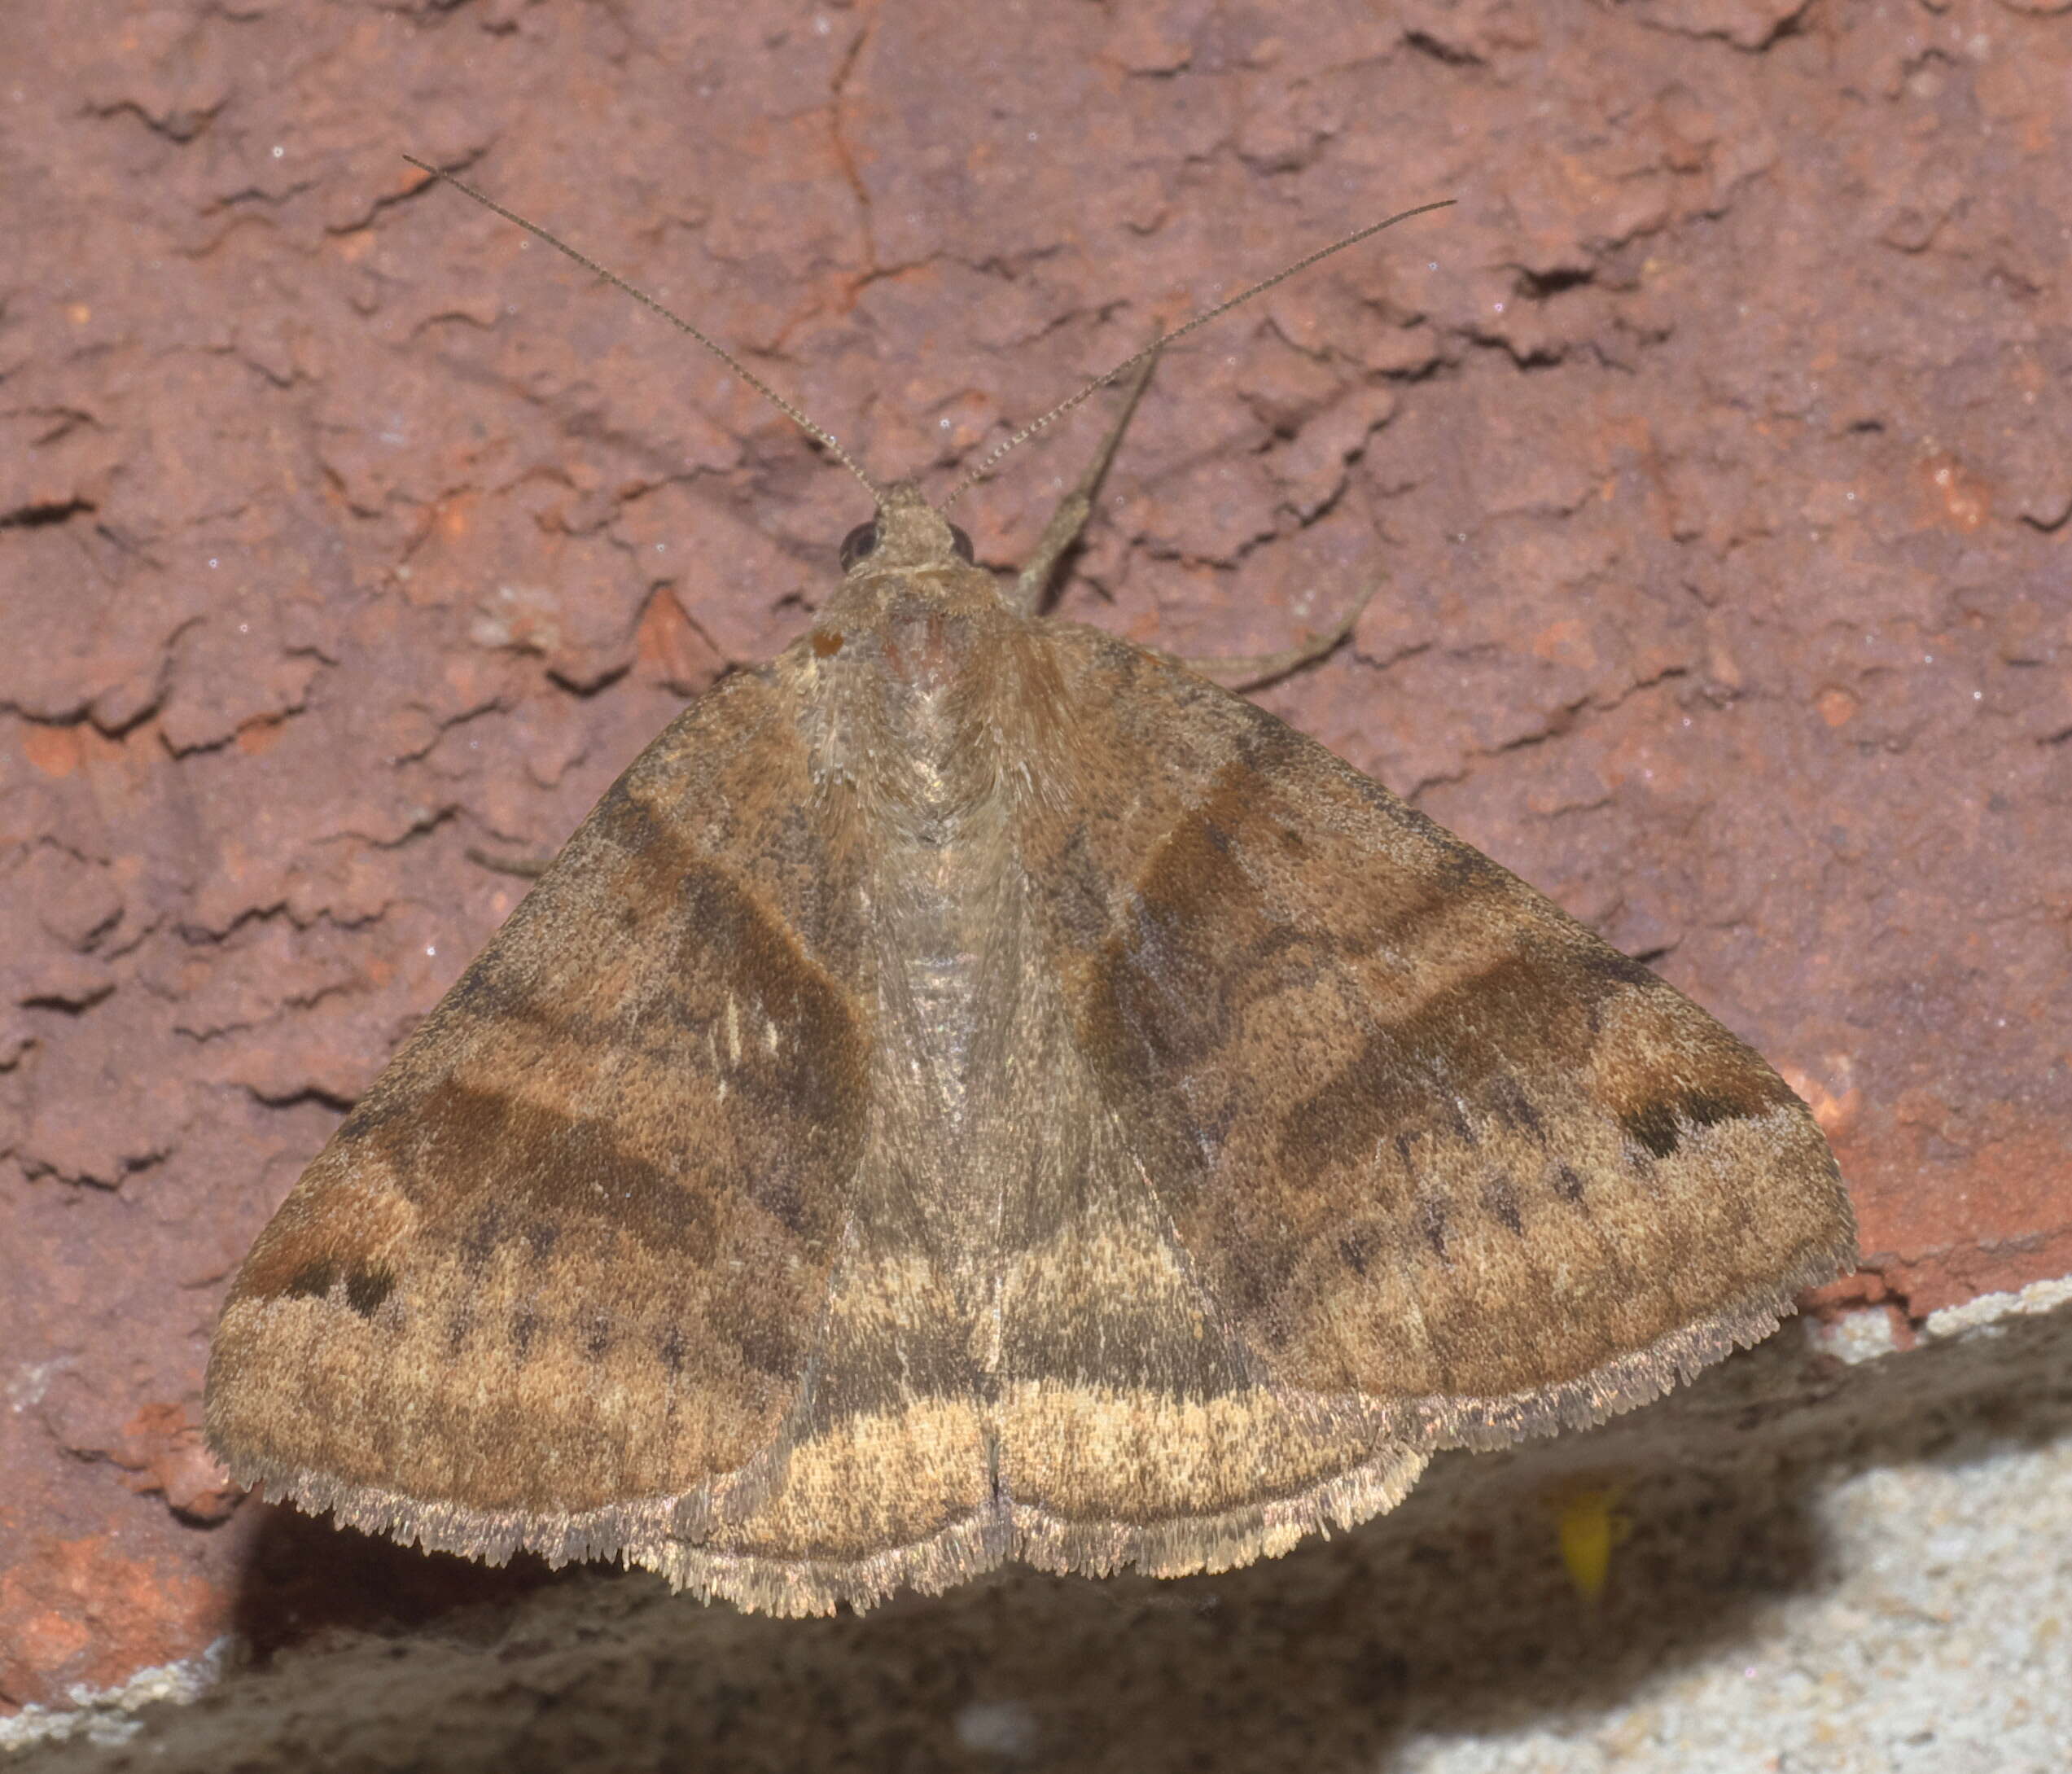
976, 1090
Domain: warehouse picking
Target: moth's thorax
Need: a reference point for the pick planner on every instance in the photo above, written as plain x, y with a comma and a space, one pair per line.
913, 677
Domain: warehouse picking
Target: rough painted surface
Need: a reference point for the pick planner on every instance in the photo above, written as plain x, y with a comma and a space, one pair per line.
1713, 448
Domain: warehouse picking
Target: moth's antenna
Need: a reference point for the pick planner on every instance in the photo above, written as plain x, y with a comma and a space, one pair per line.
725, 356
1129, 363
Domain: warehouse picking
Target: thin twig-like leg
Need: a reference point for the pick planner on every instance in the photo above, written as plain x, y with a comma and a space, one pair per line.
1249, 671
1076, 506
525, 868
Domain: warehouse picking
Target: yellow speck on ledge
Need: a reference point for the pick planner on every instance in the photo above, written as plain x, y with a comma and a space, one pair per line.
1588, 1525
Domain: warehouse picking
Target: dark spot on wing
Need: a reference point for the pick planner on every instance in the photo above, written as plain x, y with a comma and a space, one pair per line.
1704, 1108
1660, 1125
1464, 868
1607, 962
367, 1287
626, 819
313, 1280
1430, 1216
1357, 1247
767, 1339
1259, 1272
1508, 1100
483, 1237
1653, 1125
1502, 1201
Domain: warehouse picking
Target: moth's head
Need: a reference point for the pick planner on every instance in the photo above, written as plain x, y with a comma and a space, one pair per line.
908, 534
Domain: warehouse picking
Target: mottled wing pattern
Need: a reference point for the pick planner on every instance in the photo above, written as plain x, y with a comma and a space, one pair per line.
578, 1273
1134, 1427
975, 1089
1420, 1138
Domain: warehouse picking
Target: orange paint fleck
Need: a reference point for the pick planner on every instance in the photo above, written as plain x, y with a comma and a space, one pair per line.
1864, 1288
54, 751
162, 1452
1957, 497
51, 1640
257, 738
1565, 641
1838, 707
1835, 1100
79, 313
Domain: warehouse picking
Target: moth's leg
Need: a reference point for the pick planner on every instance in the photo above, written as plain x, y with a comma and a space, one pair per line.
526, 868
1073, 510
1249, 670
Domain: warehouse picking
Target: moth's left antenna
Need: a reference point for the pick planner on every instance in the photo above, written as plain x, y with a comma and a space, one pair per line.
725, 356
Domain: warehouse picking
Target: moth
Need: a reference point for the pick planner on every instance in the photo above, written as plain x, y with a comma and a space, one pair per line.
976, 1090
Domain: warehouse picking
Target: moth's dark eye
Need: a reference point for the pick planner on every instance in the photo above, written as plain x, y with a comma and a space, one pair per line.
962, 544
859, 544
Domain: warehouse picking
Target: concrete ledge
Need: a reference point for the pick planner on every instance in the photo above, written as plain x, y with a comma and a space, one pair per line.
1450, 1624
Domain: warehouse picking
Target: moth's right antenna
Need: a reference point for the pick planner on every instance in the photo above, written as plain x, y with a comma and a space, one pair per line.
1158, 345
725, 356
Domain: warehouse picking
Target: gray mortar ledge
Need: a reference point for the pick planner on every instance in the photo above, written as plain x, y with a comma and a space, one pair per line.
1706, 1475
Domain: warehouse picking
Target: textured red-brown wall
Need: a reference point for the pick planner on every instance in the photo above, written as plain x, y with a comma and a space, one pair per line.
1714, 449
